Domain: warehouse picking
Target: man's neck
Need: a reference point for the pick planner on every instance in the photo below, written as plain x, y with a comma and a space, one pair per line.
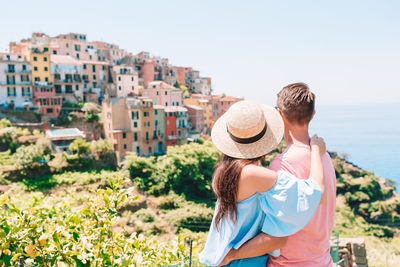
297, 134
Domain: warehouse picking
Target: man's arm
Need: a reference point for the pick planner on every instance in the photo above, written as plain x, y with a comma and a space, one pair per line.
261, 244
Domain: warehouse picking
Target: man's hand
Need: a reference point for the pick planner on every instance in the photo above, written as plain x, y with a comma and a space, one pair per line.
228, 258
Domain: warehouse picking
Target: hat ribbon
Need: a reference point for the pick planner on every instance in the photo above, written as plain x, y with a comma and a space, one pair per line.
248, 140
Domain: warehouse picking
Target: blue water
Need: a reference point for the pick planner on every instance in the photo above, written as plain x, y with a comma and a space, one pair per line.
369, 134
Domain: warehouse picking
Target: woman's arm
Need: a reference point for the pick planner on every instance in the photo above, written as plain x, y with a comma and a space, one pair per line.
257, 246
318, 149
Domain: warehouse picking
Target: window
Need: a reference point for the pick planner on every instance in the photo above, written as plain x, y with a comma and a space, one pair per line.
84, 66
135, 124
124, 135
94, 68
49, 110
94, 77
132, 79
45, 59
46, 69
166, 103
145, 114
138, 151
46, 79
104, 67
54, 52
23, 67
119, 78
135, 137
156, 123
77, 87
119, 87
58, 88
150, 150
124, 146
34, 58
68, 89
45, 49
37, 79
11, 91
35, 68
177, 103
157, 93
66, 45
166, 93
147, 136
155, 112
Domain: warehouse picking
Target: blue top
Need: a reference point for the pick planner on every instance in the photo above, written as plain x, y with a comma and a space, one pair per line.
281, 211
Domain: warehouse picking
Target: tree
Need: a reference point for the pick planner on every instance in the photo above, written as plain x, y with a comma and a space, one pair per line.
79, 146
177, 85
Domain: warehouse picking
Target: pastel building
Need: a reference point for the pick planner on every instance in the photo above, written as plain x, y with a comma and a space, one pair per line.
221, 104
72, 44
195, 117
164, 94
129, 125
67, 73
180, 73
126, 80
176, 125
15, 80
45, 98
95, 77
159, 130
197, 84
39, 58
204, 102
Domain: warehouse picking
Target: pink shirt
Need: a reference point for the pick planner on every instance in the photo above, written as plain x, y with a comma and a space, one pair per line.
310, 246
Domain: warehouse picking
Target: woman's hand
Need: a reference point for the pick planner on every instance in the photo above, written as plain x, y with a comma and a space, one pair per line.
318, 143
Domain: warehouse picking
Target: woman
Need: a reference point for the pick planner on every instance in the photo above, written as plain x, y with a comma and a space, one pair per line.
253, 199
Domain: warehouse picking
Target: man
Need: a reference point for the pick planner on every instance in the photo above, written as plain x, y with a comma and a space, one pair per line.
310, 246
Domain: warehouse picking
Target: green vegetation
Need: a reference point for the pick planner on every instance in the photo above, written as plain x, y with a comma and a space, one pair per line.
81, 210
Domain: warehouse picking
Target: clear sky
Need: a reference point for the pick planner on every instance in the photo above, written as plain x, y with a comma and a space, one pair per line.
347, 51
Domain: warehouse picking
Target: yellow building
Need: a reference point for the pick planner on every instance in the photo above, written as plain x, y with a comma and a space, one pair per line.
40, 62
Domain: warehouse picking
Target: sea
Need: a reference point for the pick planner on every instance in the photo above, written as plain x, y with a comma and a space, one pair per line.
368, 133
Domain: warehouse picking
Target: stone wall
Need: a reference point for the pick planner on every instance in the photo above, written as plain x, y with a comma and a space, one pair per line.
352, 252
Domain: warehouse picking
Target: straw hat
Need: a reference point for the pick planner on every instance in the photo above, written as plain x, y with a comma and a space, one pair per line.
247, 130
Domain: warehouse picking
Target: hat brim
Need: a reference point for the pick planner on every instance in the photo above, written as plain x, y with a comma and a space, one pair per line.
272, 137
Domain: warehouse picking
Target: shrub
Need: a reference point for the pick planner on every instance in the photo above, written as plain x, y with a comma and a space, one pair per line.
78, 236
140, 170
195, 217
79, 146
145, 215
355, 199
171, 201
31, 158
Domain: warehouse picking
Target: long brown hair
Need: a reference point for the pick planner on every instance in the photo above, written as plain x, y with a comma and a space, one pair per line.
225, 185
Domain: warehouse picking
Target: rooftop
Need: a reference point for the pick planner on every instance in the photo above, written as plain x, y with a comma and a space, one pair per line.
175, 109
194, 107
61, 59
64, 134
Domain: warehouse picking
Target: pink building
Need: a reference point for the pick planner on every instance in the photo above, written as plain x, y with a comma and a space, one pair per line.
196, 117
180, 73
44, 97
164, 94
148, 72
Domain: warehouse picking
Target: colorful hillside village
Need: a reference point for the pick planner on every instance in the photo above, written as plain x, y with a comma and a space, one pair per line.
146, 103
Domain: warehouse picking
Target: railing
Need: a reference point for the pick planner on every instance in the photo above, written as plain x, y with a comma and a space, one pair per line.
17, 71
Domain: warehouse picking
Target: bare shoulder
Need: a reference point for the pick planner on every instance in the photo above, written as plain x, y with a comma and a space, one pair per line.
255, 179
